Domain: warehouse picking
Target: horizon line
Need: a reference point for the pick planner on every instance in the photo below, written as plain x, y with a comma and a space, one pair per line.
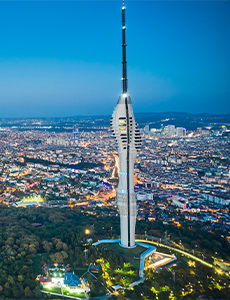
106, 115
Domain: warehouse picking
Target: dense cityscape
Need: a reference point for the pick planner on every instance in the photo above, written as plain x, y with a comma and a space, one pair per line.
120, 206
188, 172
181, 184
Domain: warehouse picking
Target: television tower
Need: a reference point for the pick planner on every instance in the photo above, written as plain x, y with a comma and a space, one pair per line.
127, 135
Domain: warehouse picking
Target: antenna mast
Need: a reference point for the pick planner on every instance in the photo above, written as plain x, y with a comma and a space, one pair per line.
124, 62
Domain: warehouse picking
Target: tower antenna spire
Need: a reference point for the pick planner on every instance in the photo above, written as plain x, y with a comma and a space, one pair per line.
124, 62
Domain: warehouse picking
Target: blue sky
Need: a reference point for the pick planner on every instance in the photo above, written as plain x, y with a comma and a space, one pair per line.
63, 58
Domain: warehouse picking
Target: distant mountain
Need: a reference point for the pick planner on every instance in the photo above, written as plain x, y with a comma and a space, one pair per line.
189, 121
155, 120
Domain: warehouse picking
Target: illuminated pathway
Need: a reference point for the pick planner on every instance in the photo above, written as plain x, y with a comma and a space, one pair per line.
180, 251
60, 295
165, 246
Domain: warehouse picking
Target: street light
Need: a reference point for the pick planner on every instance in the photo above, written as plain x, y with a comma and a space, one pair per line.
87, 231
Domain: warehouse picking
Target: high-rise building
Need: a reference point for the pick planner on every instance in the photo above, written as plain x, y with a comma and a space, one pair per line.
180, 131
127, 135
146, 129
75, 133
170, 130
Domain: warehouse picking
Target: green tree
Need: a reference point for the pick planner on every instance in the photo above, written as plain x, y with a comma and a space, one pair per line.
27, 292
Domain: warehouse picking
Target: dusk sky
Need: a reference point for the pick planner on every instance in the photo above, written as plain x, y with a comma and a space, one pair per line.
63, 58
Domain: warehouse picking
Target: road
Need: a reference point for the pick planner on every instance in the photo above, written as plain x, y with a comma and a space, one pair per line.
178, 250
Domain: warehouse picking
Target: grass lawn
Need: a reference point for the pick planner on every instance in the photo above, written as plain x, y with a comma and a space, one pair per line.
65, 292
128, 271
132, 255
53, 290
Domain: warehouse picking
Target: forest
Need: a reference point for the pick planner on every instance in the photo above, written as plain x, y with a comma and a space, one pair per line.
30, 237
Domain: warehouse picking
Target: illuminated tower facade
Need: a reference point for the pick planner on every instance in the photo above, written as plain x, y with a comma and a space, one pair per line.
127, 135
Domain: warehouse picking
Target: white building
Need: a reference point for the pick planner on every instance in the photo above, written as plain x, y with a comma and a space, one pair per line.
179, 202
146, 129
170, 130
180, 131
218, 199
143, 196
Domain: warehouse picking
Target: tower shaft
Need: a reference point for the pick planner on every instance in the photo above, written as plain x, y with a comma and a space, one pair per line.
128, 138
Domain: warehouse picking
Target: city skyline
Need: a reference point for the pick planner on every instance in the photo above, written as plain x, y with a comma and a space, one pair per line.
120, 207
57, 61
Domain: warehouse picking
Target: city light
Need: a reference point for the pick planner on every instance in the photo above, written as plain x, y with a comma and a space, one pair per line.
87, 231
105, 208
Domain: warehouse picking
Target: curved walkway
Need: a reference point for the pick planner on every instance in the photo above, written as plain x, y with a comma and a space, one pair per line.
178, 250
